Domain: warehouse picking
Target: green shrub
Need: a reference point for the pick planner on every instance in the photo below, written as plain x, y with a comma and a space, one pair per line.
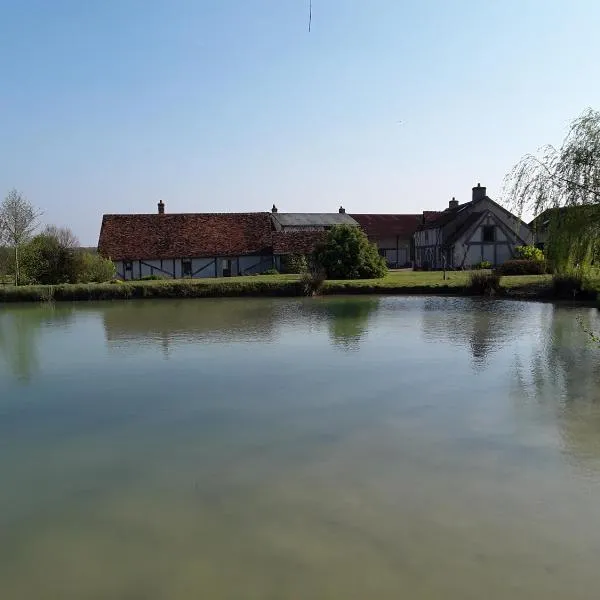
484, 284
270, 272
484, 264
94, 268
294, 263
567, 285
529, 253
348, 254
312, 282
47, 261
523, 267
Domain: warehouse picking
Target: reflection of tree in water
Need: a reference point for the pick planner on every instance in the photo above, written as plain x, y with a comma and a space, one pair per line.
562, 377
481, 325
19, 335
347, 318
166, 323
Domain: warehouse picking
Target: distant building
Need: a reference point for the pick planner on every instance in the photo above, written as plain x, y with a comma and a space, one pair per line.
466, 234
393, 235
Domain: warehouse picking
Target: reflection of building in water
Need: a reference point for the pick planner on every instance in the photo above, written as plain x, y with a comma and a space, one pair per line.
165, 324
20, 329
560, 381
347, 319
478, 324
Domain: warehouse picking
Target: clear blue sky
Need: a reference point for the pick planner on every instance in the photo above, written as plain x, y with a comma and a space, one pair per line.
231, 105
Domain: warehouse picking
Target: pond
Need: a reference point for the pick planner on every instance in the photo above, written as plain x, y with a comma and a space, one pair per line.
345, 448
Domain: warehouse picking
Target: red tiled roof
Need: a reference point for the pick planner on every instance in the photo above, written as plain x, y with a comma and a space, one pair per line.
154, 236
389, 225
296, 242
431, 215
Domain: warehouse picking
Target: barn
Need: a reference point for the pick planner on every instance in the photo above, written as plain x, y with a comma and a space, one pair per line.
187, 244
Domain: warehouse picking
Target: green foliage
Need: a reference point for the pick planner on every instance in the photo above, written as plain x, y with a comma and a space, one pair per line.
572, 285
94, 268
574, 237
312, 282
348, 254
271, 272
294, 263
484, 264
483, 284
528, 253
564, 184
45, 261
523, 267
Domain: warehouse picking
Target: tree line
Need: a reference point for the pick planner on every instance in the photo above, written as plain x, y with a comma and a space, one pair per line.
49, 256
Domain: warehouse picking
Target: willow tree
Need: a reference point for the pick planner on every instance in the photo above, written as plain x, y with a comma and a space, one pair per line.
565, 182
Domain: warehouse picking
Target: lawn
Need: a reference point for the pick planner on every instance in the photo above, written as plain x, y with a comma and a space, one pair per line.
395, 282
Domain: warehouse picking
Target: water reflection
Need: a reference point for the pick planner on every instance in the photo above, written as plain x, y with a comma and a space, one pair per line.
20, 330
481, 325
261, 462
560, 379
347, 319
171, 323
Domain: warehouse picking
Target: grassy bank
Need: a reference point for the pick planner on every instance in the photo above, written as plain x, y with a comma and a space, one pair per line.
396, 282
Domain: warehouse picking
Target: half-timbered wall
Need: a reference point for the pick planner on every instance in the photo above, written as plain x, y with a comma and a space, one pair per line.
200, 267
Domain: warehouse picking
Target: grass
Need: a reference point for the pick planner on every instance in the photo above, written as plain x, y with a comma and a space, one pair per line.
395, 282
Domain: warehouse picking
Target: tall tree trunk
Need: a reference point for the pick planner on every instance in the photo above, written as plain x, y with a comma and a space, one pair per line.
16, 265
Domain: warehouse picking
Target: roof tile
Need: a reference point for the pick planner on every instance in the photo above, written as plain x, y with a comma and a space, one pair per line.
154, 236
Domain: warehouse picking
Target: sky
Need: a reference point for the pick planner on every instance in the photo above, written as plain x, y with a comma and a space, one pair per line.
392, 106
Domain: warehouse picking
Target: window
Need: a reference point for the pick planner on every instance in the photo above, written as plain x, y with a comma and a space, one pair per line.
186, 267
128, 266
489, 233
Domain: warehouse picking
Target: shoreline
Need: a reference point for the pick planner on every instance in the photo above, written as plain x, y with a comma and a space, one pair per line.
271, 286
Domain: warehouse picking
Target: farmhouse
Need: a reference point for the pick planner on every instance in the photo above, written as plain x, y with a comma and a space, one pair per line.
210, 244
187, 245
465, 234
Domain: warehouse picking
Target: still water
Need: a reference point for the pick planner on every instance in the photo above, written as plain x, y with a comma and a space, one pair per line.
337, 448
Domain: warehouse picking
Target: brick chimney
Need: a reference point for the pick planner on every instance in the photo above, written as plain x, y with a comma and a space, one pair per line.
342, 210
274, 209
453, 203
479, 192
161, 208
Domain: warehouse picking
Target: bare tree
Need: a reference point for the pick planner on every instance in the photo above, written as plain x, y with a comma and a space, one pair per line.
63, 235
18, 221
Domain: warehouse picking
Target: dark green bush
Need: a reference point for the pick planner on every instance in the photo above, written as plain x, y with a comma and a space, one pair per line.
270, 272
523, 267
348, 254
484, 284
572, 285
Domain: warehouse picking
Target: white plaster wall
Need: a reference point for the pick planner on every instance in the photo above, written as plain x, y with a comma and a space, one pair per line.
503, 253
207, 266
255, 264
488, 252
473, 255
